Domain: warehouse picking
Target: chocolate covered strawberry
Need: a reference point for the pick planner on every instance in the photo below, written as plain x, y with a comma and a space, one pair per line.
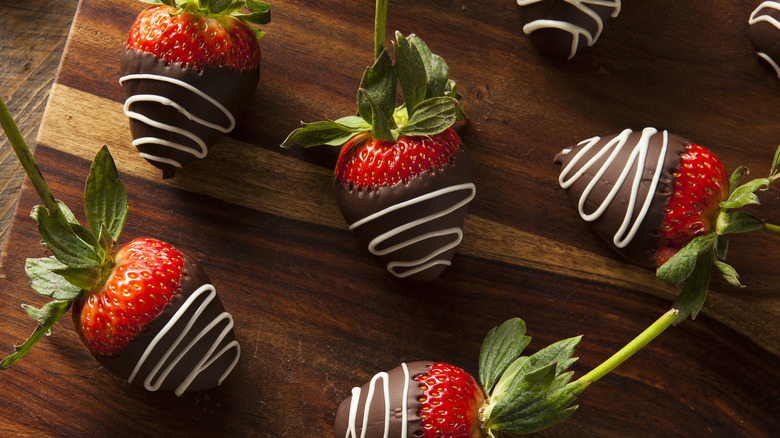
403, 180
560, 28
189, 67
145, 310
662, 202
514, 393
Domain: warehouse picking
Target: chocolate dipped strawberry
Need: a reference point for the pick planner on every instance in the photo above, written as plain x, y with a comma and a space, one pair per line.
560, 28
188, 69
514, 393
403, 180
764, 33
662, 201
145, 311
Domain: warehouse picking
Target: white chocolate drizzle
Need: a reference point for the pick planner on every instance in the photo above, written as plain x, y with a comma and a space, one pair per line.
202, 149
766, 18
573, 29
355, 402
636, 159
429, 260
153, 385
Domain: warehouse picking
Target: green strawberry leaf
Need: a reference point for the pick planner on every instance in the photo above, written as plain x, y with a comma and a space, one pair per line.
431, 116
46, 282
690, 301
105, 199
721, 248
66, 245
681, 265
502, 345
737, 222
378, 89
46, 317
538, 393
411, 71
259, 13
744, 194
326, 132
736, 178
775, 163
728, 272
435, 69
380, 126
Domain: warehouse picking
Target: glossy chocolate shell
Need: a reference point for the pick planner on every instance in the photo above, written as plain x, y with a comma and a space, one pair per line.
189, 346
177, 112
390, 400
414, 227
621, 185
560, 28
764, 31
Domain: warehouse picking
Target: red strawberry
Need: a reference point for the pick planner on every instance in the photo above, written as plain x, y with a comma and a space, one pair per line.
699, 187
662, 201
519, 394
146, 312
144, 278
188, 69
403, 180
450, 404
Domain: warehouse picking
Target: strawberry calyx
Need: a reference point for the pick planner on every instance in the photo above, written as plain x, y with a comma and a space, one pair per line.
693, 263
257, 12
430, 99
81, 256
526, 394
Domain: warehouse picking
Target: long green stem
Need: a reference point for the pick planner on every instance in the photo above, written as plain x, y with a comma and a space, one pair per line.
771, 229
632, 347
380, 17
28, 164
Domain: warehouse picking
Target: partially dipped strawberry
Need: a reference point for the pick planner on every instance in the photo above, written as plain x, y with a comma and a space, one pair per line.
662, 202
519, 394
645, 193
145, 311
403, 180
188, 69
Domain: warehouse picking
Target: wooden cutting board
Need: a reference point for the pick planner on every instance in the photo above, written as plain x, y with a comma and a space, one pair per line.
316, 314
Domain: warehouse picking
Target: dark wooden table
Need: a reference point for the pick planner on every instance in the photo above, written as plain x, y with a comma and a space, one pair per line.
315, 313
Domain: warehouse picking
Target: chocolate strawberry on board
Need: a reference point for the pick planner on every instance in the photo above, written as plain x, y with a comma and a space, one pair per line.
513, 393
663, 202
560, 28
403, 179
188, 68
146, 311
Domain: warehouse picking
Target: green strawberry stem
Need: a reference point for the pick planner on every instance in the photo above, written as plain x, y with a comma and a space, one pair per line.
81, 257
771, 229
628, 350
29, 165
380, 17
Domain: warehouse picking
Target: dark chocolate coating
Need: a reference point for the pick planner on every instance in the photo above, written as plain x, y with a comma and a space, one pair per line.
123, 363
379, 405
358, 204
543, 19
764, 32
233, 89
640, 250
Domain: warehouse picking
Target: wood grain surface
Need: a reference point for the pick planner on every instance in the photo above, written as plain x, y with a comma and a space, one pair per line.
316, 314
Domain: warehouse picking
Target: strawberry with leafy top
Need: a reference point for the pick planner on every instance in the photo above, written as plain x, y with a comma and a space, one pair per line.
514, 393
189, 67
662, 202
403, 180
132, 306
